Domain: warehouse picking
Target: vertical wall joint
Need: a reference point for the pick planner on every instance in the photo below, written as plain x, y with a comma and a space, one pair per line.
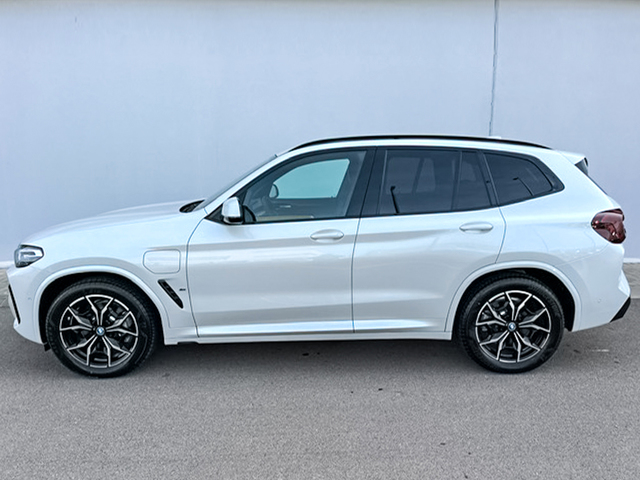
495, 63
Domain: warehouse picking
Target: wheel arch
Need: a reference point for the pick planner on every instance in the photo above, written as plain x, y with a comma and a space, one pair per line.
550, 276
51, 289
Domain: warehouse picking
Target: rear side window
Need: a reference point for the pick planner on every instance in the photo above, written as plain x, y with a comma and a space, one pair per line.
430, 181
517, 178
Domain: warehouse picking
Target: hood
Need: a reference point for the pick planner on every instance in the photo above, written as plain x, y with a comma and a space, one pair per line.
157, 209
147, 213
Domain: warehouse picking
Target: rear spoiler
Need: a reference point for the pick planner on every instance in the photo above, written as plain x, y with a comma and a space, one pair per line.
579, 160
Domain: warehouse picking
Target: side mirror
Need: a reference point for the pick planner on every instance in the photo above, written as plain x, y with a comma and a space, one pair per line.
232, 211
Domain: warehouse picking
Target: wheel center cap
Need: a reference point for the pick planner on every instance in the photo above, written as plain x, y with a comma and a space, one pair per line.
100, 331
512, 326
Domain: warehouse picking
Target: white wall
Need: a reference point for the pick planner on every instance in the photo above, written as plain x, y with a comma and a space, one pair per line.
107, 105
112, 104
568, 76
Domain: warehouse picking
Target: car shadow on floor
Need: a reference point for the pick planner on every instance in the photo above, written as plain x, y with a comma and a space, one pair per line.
603, 351
304, 357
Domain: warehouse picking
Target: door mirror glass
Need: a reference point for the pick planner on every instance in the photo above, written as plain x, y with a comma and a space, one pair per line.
231, 211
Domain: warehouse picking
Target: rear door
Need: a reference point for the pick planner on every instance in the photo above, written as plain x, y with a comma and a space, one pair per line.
429, 221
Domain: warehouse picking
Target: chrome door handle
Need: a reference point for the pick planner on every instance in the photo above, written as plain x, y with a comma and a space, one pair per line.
476, 227
327, 235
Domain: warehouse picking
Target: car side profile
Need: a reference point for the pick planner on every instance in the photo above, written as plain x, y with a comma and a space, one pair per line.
500, 244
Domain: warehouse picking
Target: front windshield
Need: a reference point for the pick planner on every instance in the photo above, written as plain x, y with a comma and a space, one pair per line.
220, 191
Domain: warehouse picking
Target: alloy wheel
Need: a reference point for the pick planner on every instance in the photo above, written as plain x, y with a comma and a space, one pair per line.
98, 331
513, 326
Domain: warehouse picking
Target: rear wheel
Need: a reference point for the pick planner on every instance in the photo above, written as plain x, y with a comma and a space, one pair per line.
101, 327
511, 324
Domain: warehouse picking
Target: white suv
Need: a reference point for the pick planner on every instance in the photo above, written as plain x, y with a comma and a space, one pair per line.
501, 244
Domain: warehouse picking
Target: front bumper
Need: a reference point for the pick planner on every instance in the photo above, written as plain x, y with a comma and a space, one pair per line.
622, 310
12, 306
21, 301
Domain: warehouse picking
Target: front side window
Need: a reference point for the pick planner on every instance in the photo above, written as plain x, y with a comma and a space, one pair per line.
430, 181
318, 186
313, 180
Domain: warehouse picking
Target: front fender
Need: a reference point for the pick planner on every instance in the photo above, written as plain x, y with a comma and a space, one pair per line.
30, 325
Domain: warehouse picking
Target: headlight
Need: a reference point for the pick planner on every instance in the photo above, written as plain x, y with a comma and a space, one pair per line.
26, 255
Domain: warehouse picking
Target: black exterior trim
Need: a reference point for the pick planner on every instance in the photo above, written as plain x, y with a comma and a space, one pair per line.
171, 292
488, 179
583, 166
417, 137
14, 305
622, 310
190, 207
362, 184
370, 207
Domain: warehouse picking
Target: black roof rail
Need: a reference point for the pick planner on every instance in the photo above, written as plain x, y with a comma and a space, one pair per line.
417, 137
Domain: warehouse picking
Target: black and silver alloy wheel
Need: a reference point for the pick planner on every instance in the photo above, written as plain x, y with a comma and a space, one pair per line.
99, 331
511, 324
101, 327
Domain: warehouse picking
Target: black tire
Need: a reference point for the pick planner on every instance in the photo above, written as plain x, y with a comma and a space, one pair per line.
510, 324
101, 327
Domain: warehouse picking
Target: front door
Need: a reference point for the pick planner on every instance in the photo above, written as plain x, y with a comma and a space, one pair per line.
286, 269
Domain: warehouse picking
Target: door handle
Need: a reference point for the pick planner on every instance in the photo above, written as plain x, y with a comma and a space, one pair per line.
476, 227
330, 235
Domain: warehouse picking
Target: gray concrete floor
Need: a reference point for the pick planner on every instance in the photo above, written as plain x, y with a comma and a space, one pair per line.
326, 410
347, 410
3, 288
632, 271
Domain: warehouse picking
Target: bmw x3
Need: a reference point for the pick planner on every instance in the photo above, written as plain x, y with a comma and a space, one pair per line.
500, 244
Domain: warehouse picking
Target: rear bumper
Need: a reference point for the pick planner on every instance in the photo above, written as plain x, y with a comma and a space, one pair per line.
602, 288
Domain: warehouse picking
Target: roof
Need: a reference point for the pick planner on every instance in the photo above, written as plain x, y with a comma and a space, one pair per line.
416, 137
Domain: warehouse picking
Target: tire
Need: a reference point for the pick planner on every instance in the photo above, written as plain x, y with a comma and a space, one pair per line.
511, 324
101, 328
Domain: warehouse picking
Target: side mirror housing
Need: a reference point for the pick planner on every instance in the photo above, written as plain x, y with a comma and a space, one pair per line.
232, 211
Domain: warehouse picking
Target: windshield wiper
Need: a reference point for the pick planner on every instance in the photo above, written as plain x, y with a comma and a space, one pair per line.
393, 197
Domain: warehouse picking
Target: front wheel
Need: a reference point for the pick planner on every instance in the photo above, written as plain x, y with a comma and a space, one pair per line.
102, 328
511, 324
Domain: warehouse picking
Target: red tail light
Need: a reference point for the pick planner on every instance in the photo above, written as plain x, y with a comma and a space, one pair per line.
610, 225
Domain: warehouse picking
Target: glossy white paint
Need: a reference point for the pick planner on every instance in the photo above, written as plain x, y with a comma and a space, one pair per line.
113, 243
406, 269
398, 276
272, 278
162, 261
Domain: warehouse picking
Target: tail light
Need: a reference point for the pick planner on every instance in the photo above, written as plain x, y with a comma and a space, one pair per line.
610, 225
